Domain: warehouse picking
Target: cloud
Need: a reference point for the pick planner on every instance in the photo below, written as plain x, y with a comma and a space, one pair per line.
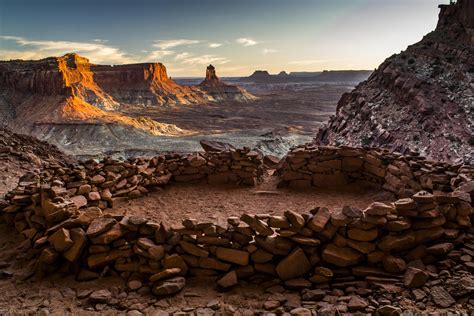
214, 45
205, 59
167, 44
182, 56
308, 62
246, 41
158, 54
20, 54
97, 52
266, 51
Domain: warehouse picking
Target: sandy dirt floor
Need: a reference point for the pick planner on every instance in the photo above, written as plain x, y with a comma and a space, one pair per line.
216, 203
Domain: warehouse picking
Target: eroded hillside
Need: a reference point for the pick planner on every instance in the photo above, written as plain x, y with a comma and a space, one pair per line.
420, 100
63, 99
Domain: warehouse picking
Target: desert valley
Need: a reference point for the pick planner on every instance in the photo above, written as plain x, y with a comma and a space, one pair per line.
96, 111
127, 191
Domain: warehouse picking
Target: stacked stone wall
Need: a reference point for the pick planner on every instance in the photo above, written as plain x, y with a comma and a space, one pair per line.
396, 241
404, 175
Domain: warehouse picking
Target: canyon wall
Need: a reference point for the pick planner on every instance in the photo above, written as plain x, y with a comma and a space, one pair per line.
42, 77
145, 84
417, 101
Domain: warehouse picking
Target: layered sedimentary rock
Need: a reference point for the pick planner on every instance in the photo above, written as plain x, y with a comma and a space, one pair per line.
144, 84
104, 86
61, 99
419, 100
220, 90
70, 95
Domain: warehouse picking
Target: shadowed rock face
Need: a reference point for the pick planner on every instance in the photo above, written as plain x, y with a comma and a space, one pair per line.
211, 73
220, 90
419, 100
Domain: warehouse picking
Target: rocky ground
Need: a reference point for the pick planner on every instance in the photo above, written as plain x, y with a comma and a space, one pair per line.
449, 289
20, 154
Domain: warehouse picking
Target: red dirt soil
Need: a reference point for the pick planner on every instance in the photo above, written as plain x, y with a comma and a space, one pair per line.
216, 203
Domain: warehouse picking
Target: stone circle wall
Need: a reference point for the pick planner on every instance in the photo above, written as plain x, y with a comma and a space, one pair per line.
309, 165
60, 213
109, 182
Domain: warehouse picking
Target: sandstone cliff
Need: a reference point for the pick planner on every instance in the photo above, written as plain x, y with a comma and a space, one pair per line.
145, 84
220, 90
67, 99
420, 100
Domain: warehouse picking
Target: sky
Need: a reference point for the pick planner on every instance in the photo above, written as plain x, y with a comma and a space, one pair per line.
236, 36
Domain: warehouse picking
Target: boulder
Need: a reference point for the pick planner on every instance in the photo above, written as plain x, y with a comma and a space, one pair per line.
228, 280
193, 249
170, 286
296, 220
341, 256
313, 295
389, 310
319, 220
103, 258
440, 249
362, 235
79, 200
61, 240
233, 255
100, 296
393, 264
396, 242
398, 225
278, 222
423, 197
379, 209
175, 261
257, 225
99, 226
406, 204
165, 274
215, 146
414, 277
441, 297
114, 233
356, 304
79, 242
294, 265
156, 252
211, 263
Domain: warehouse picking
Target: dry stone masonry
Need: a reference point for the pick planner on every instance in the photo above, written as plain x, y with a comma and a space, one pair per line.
404, 242
324, 166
